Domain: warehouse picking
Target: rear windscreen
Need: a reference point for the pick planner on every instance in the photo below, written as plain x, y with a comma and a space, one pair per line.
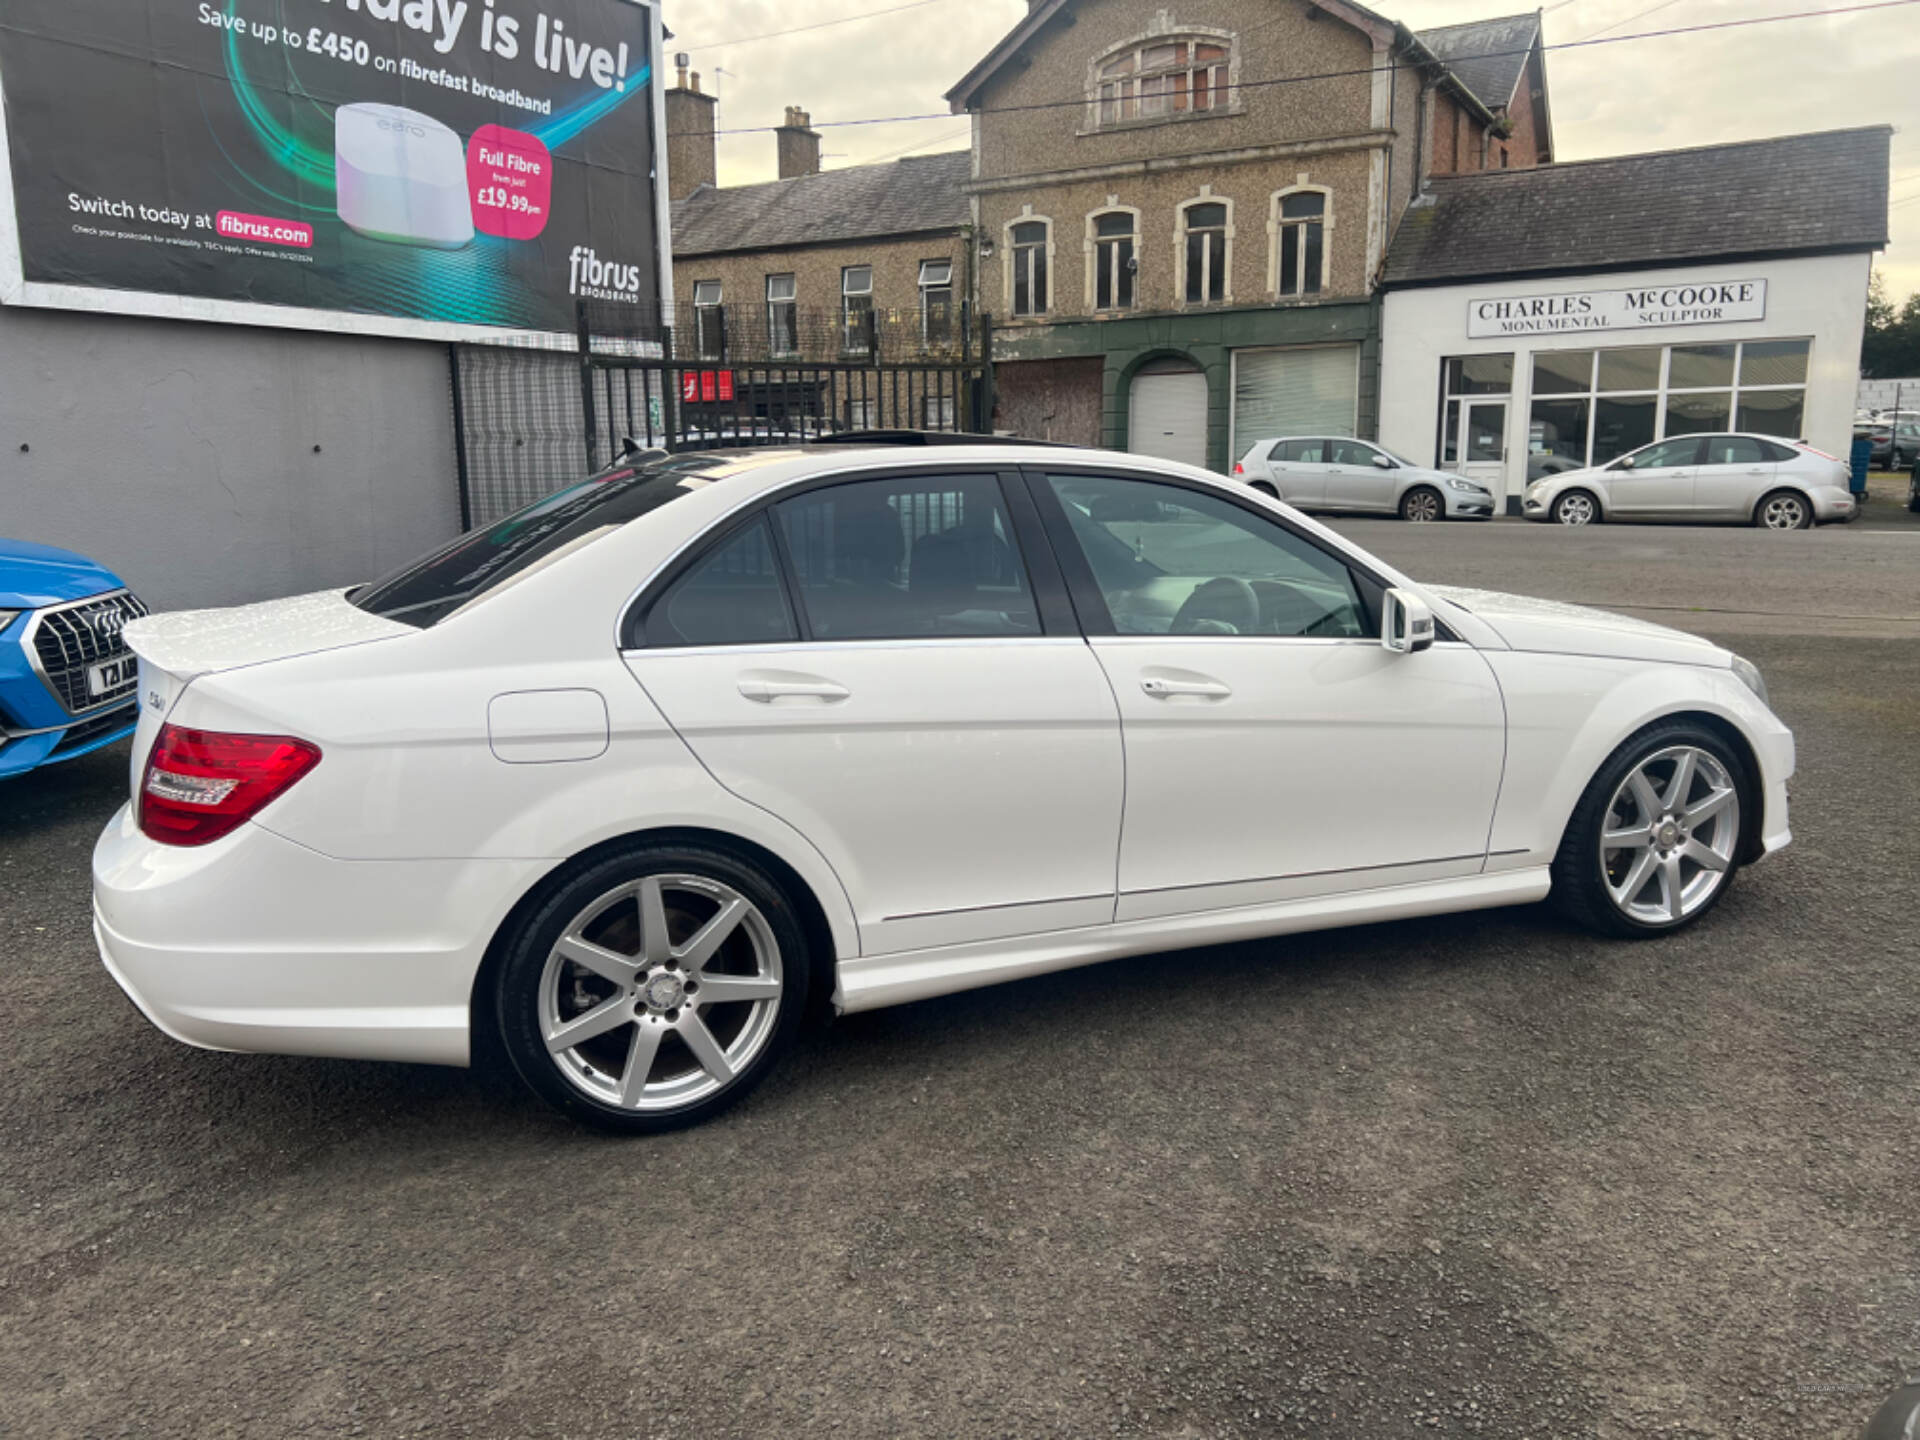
483, 560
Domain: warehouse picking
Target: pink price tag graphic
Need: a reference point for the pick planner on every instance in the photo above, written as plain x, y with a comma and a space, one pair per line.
509, 181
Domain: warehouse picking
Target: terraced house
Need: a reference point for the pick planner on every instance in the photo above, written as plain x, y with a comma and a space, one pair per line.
1183, 212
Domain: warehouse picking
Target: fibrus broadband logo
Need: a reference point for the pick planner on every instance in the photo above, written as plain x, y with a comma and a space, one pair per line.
597, 279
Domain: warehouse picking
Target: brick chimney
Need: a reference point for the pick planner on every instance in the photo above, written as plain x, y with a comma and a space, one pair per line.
690, 152
798, 144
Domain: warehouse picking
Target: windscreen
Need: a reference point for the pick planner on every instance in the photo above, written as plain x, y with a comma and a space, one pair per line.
483, 560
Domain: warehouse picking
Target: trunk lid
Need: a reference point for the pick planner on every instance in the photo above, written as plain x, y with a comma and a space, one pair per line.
179, 647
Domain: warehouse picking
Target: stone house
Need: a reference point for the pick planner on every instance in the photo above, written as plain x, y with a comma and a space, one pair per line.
1187, 210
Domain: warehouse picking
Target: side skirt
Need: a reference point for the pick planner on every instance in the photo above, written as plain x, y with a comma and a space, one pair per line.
875, 981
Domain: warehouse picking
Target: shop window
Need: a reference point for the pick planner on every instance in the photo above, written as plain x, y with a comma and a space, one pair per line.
783, 316
1205, 248
1622, 423
1635, 369
1699, 411
1299, 226
1030, 245
1557, 435
1774, 412
856, 308
1480, 375
1116, 259
1166, 78
1773, 362
936, 301
1701, 367
1464, 379
1563, 372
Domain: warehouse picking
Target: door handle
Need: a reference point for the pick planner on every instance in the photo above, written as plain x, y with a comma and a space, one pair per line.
1165, 687
766, 689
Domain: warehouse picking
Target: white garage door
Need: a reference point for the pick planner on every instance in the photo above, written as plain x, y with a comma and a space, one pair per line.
1312, 390
1167, 415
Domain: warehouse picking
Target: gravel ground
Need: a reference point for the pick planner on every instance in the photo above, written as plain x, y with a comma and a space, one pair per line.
1479, 1174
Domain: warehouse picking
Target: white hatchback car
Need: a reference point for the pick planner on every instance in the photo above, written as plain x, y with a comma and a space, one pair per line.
1750, 479
613, 786
1335, 473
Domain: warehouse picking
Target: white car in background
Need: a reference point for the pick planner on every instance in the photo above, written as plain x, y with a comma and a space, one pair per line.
1723, 477
609, 789
1336, 473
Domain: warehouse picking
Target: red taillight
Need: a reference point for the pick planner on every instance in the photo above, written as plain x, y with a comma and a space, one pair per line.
1238, 468
200, 784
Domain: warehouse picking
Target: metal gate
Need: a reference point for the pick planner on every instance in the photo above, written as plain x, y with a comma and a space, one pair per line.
535, 415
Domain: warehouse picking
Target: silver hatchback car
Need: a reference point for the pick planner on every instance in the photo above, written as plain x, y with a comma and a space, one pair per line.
1734, 477
1338, 473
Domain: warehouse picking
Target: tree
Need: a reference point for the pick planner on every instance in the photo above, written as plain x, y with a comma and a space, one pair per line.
1891, 346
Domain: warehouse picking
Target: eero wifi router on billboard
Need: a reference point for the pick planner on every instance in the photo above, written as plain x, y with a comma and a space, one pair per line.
401, 176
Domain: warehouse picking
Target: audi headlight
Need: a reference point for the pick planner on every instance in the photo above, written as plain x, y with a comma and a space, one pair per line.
1750, 676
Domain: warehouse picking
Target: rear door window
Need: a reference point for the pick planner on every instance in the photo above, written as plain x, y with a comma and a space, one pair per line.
1303, 452
919, 557
731, 596
1734, 450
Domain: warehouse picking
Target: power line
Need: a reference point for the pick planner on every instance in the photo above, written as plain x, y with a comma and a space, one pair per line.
817, 25
1640, 15
1081, 100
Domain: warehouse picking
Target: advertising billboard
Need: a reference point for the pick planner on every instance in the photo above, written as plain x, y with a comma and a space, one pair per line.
429, 168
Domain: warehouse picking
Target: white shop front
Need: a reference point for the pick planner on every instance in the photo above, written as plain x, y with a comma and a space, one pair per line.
1508, 380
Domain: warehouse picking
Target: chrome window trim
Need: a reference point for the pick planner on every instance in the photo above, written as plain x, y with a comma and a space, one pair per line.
32, 629
789, 647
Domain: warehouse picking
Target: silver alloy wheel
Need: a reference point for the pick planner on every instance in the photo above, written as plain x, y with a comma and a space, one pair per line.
1668, 838
660, 992
1421, 506
1574, 509
1783, 512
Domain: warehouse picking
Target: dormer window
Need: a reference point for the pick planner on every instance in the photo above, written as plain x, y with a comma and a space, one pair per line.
1163, 78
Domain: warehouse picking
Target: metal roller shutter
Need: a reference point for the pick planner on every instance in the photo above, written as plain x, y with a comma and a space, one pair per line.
1167, 416
1313, 390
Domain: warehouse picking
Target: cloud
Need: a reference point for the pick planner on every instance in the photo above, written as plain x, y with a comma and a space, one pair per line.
1819, 74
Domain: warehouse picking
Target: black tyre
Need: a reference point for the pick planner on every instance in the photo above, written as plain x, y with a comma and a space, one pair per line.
1576, 507
1783, 510
1423, 505
1265, 489
654, 988
1656, 838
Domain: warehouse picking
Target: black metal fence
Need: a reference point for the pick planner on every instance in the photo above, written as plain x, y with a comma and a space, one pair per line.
538, 412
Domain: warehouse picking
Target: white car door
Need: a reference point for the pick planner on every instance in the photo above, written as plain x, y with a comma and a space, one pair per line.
1658, 485
1299, 470
1274, 748
1354, 482
887, 685
1735, 471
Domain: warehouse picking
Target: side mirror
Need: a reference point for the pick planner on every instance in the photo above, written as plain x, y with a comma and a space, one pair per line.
1625, 462
1382, 462
1406, 623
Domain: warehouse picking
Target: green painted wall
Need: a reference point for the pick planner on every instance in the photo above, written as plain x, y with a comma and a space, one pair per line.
1207, 338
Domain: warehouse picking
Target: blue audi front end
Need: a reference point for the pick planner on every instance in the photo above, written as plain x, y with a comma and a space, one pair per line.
67, 679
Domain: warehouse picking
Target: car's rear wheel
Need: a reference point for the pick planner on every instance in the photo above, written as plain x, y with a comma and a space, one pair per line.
1265, 489
1423, 505
1655, 840
1576, 507
1783, 510
654, 988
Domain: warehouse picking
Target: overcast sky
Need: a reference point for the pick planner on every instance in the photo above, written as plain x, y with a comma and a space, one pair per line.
1797, 75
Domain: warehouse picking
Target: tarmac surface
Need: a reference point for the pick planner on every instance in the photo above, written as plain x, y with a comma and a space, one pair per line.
1476, 1175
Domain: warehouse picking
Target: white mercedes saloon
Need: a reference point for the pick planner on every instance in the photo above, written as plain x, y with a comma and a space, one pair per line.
611, 788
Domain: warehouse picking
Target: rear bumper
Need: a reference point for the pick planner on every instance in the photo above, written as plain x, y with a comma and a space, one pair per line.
255, 943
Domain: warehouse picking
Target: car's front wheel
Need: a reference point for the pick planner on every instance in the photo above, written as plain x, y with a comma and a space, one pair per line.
654, 987
1423, 505
1655, 840
1576, 507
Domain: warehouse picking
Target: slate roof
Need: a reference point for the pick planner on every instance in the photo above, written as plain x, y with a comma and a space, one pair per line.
861, 202
1487, 55
1799, 193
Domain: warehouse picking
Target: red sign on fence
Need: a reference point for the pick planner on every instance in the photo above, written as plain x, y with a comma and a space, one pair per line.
706, 385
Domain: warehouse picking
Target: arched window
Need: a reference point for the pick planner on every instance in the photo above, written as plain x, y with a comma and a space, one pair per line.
1029, 261
1162, 78
1298, 227
1114, 242
1206, 248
